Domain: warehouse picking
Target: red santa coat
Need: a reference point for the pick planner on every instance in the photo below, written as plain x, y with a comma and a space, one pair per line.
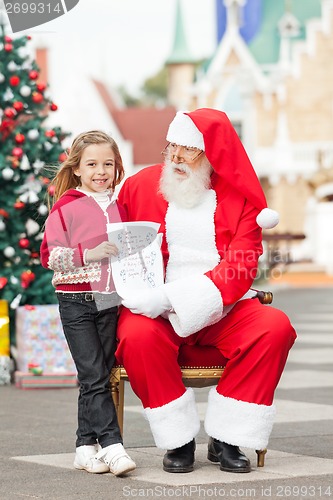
235, 234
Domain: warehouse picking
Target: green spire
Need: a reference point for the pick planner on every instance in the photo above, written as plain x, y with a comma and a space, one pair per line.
180, 52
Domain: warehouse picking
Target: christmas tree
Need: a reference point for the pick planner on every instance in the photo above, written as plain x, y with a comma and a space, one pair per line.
27, 149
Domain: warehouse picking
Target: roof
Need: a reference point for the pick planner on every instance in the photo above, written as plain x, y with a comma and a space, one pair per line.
265, 45
146, 129
260, 24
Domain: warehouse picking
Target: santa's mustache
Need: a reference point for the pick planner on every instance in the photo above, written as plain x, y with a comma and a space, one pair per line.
182, 167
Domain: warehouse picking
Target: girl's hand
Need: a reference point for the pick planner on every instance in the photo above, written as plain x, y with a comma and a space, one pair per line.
102, 251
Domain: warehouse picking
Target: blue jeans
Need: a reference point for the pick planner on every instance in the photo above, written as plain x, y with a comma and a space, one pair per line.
91, 336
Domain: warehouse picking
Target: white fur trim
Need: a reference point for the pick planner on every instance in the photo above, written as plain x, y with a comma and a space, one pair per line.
196, 303
237, 422
268, 218
182, 131
190, 235
175, 423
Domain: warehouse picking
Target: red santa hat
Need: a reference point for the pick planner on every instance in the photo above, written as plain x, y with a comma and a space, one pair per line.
211, 131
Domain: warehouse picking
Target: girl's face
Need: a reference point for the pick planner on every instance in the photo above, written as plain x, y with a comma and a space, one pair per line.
96, 168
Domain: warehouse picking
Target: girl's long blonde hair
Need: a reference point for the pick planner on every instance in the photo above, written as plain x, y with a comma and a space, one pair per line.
66, 179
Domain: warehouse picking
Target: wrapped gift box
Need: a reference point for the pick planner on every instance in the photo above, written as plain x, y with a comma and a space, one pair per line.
4, 328
45, 381
40, 340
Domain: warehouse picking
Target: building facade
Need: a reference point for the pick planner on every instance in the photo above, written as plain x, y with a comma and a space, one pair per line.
276, 85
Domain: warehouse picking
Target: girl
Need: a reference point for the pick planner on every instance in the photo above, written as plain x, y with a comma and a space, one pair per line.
75, 246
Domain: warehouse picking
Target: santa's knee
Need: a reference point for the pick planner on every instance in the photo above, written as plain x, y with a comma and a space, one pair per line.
279, 331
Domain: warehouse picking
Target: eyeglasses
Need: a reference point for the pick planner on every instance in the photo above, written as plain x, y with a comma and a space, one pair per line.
188, 155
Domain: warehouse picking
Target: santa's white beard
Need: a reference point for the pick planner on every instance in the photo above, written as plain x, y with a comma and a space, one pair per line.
186, 191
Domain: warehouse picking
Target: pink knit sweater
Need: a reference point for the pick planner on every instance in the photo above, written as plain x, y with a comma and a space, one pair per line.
77, 223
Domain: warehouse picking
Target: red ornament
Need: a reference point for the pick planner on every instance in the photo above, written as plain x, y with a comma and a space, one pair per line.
24, 243
20, 138
53, 107
8, 39
33, 74
27, 277
17, 152
9, 113
8, 47
50, 133
3, 282
18, 106
5, 124
34, 255
14, 80
4, 213
28, 37
19, 205
41, 86
37, 97
51, 190
45, 180
62, 157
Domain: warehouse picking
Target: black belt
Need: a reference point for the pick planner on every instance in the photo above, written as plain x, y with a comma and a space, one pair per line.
89, 296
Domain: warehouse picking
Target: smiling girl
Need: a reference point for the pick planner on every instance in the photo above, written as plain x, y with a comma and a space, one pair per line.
76, 247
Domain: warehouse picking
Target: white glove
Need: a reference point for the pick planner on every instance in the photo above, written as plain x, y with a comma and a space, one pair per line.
150, 303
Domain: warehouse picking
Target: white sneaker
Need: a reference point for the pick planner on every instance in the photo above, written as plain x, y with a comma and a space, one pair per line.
85, 459
116, 458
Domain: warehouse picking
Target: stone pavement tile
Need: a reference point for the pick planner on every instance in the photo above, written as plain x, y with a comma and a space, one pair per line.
279, 465
312, 327
317, 356
297, 411
307, 444
322, 308
298, 379
310, 345
319, 315
322, 395
315, 338
303, 365
320, 431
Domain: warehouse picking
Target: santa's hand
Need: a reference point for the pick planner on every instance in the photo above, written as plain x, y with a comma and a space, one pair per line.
150, 303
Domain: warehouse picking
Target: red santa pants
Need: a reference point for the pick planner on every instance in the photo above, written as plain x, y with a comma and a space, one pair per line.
255, 339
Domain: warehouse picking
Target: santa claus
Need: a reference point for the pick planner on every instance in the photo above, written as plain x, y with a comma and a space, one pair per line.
211, 210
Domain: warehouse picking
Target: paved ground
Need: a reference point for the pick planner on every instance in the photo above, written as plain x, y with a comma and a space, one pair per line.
37, 430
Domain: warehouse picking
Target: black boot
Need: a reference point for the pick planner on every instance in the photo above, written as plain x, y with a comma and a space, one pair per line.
180, 459
231, 458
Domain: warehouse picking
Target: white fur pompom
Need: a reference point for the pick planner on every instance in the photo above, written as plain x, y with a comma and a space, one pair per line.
267, 218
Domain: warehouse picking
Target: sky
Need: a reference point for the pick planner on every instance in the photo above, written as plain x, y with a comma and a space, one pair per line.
127, 41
